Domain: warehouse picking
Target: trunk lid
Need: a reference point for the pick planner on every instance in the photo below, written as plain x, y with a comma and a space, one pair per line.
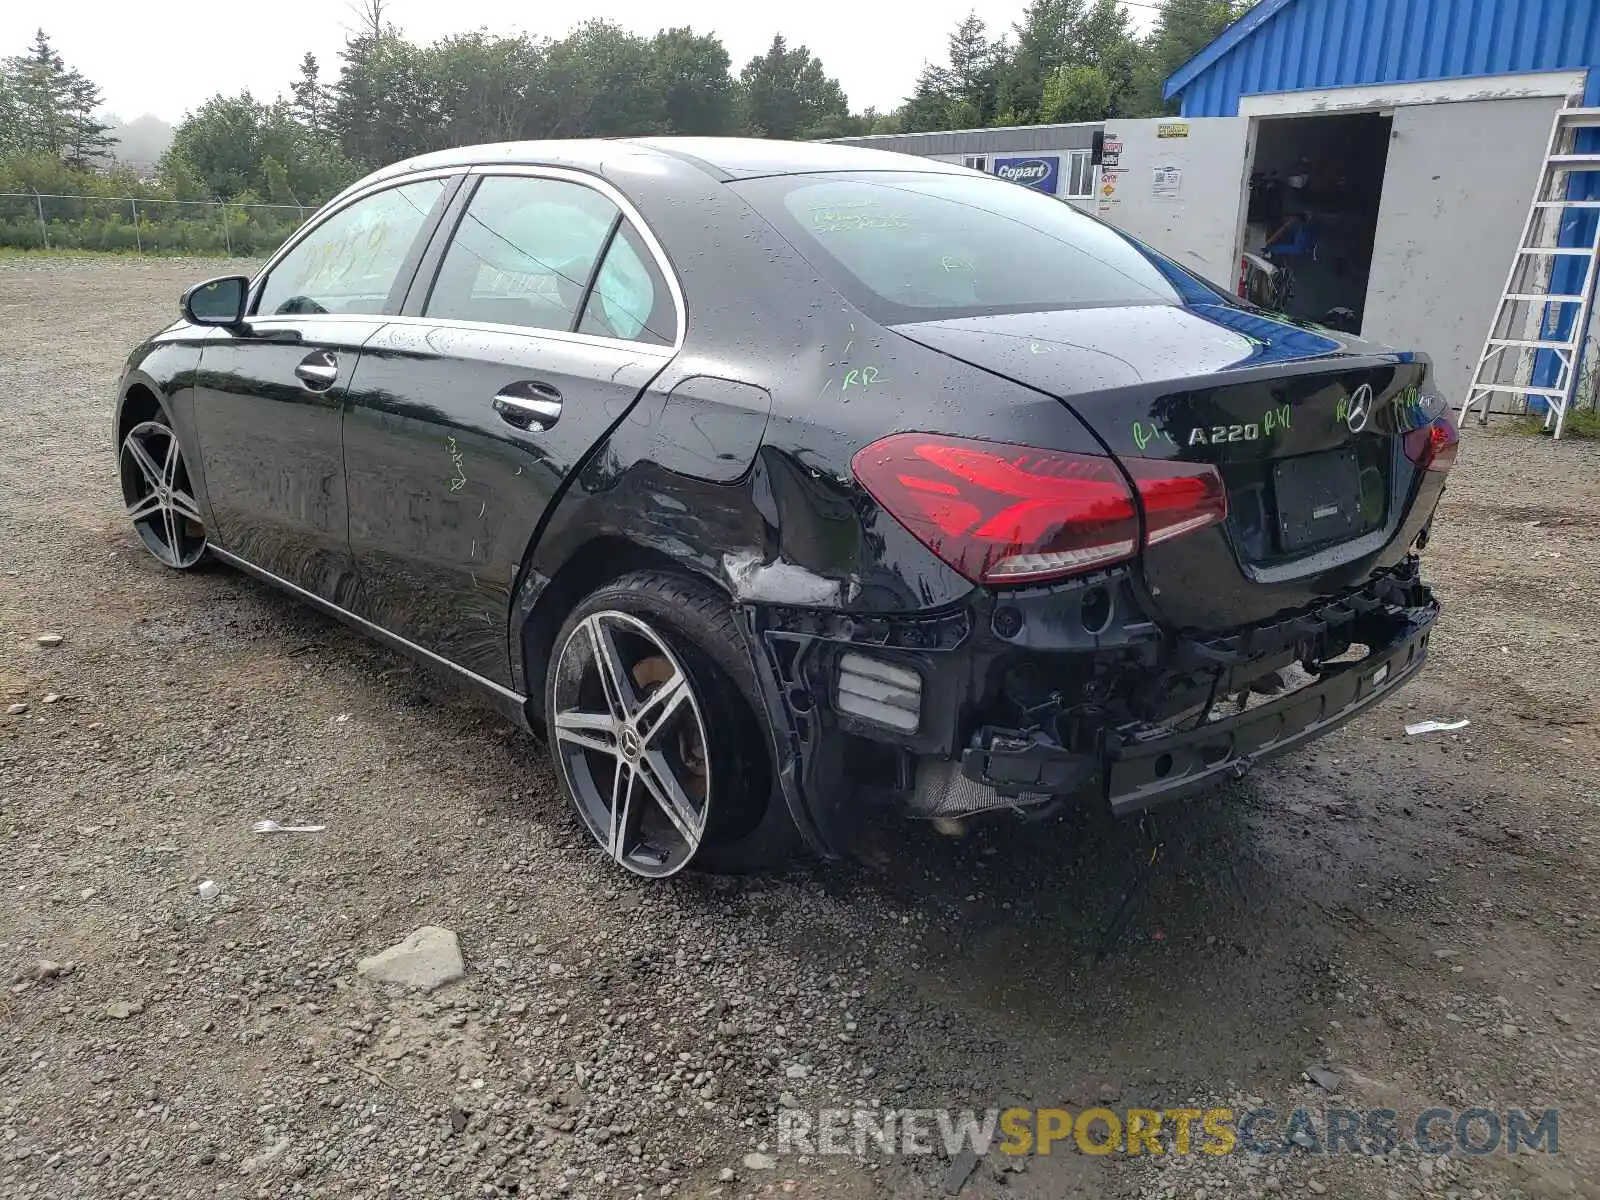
1304, 426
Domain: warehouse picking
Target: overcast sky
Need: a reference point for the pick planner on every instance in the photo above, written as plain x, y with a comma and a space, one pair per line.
168, 65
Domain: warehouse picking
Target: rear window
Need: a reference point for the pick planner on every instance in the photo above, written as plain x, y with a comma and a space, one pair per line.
910, 247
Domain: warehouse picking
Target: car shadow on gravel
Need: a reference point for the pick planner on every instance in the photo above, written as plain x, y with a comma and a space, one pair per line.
1223, 953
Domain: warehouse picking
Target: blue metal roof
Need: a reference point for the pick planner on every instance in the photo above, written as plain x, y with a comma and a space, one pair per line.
1293, 45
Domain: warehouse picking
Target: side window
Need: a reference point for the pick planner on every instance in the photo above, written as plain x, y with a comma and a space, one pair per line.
630, 298
349, 263
1079, 175
523, 253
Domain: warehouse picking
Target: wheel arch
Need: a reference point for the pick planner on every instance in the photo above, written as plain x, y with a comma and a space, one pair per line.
140, 400
709, 520
548, 601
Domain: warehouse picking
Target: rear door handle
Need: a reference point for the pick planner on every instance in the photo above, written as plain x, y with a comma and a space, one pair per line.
529, 405
318, 371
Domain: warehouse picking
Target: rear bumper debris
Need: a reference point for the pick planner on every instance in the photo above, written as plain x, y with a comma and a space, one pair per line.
1143, 768
973, 717
1143, 765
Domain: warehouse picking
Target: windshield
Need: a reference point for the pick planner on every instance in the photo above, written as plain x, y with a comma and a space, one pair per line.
910, 247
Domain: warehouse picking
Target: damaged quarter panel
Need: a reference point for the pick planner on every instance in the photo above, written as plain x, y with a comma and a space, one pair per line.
712, 427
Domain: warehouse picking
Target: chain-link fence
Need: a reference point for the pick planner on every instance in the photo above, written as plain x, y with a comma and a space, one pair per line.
142, 225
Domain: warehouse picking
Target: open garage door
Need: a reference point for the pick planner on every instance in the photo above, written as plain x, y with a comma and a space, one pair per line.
1179, 186
1455, 194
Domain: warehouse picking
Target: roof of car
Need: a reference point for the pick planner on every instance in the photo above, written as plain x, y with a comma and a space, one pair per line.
725, 158
745, 158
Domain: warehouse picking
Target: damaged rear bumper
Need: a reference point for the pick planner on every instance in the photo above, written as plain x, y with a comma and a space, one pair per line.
1023, 699
1140, 767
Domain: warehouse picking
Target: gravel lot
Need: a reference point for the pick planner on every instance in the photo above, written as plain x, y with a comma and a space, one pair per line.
1420, 913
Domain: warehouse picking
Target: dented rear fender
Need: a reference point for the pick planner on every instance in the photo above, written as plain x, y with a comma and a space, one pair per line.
767, 506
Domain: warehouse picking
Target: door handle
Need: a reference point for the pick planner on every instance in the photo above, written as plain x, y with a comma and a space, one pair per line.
318, 371
531, 406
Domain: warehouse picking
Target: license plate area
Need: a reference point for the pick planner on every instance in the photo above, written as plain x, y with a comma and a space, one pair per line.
1319, 499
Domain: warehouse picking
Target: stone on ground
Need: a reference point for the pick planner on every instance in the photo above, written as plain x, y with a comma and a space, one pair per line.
426, 959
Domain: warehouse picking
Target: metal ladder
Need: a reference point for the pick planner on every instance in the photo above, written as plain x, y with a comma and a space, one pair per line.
1525, 310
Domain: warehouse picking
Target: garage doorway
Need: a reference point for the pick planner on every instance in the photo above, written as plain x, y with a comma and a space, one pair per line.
1316, 184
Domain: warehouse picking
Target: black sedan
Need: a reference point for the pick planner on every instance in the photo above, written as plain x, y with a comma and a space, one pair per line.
772, 480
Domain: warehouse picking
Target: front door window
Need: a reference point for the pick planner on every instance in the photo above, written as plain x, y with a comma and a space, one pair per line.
349, 264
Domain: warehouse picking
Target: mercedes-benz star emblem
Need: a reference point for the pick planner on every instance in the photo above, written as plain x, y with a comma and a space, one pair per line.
632, 745
1360, 408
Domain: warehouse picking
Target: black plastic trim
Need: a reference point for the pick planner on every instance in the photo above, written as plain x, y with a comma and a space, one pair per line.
1141, 771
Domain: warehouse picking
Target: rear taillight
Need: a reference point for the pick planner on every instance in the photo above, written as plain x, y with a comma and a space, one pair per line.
1000, 513
1433, 447
1178, 497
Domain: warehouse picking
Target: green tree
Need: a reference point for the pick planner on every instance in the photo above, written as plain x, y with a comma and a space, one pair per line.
1067, 60
599, 79
383, 107
309, 101
973, 75
1105, 41
964, 92
181, 179
233, 145
481, 85
1182, 29
835, 125
39, 87
889, 122
10, 118
928, 106
220, 144
314, 168
1076, 94
279, 190
1045, 43
785, 93
688, 72
51, 108
89, 140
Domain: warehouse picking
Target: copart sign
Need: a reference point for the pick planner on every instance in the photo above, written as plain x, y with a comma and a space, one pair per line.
1040, 172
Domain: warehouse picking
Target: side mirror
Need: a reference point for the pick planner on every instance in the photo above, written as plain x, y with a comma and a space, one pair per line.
217, 301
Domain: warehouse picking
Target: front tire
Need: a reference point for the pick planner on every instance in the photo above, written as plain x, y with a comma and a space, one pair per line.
650, 710
159, 497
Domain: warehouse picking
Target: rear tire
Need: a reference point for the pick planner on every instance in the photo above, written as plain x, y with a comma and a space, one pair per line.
651, 710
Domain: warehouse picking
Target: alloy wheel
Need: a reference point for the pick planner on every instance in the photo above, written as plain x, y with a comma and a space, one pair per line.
158, 495
631, 743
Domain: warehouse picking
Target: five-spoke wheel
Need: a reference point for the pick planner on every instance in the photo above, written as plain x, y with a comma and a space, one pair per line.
631, 741
652, 712
159, 498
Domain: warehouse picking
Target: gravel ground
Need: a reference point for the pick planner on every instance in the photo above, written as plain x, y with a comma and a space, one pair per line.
1419, 913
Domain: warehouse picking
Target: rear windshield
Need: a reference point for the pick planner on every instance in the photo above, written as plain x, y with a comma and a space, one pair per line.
910, 247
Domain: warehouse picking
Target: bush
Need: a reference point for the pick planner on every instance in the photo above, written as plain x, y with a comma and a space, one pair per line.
87, 211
